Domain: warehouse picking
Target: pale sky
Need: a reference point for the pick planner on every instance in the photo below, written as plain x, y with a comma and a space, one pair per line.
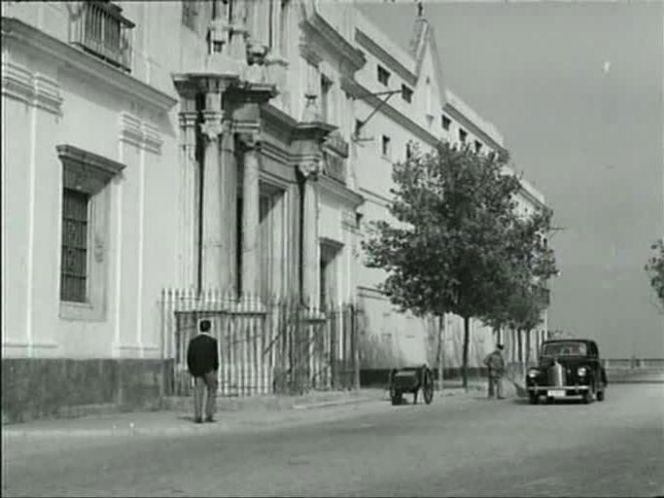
576, 89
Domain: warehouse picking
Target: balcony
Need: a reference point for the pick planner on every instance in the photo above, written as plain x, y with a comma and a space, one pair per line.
99, 28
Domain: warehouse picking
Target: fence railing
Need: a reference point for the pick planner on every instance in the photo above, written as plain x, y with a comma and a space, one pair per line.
99, 28
633, 363
275, 347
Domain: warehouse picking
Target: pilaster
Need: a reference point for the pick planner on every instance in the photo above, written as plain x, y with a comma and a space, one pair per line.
309, 170
250, 213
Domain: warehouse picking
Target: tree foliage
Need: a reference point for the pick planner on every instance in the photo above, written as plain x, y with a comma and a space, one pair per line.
655, 269
457, 243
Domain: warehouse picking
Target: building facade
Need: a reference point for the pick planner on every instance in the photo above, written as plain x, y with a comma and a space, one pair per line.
193, 157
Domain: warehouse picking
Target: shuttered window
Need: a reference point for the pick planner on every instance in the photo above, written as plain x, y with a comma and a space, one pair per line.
73, 279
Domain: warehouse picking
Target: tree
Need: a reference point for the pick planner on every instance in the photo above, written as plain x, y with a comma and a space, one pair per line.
522, 296
655, 269
454, 245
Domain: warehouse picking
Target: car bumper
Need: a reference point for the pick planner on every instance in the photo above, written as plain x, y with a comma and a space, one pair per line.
558, 391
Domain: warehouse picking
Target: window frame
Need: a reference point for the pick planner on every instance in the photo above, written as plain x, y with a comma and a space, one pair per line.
91, 175
386, 147
406, 93
446, 122
383, 74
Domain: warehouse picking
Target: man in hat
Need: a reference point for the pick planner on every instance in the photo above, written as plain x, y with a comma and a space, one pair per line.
203, 363
496, 365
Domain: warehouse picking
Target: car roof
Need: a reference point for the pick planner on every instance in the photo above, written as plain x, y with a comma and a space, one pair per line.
567, 340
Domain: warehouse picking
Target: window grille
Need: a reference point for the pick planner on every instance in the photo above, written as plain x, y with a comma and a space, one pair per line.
100, 29
74, 246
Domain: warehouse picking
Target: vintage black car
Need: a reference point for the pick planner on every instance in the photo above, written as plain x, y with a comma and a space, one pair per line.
567, 367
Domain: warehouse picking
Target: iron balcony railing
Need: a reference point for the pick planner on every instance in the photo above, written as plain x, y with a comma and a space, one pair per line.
100, 29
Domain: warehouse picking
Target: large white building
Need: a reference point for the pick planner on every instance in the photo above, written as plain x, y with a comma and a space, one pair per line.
201, 156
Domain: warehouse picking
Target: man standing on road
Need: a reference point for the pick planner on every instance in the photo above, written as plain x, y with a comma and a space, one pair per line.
496, 365
203, 363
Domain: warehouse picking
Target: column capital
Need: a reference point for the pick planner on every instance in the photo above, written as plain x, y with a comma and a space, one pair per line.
212, 125
249, 139
310, 169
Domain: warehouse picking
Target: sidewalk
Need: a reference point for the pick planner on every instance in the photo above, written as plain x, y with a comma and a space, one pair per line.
233, 415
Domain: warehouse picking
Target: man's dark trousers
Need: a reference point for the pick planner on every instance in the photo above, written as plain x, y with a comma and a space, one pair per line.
207, 381
203, 363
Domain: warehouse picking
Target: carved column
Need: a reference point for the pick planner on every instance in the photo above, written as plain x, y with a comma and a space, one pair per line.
250, 214
188, 196
310, 170
212, 243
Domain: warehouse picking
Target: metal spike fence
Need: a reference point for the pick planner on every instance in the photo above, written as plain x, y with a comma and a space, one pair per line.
277, 347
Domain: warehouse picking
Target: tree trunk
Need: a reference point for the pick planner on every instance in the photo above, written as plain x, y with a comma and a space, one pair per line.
528, 346
441, 350
519, 338
466, 340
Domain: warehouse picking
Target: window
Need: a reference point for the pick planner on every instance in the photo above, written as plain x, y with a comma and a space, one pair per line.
446, 123
406, 93
358, 127
101, 29
190, 10
383, 75
478, 146
386, 146
84, 234
463, 134
73, 268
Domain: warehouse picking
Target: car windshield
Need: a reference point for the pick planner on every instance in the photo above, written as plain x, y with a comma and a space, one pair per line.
564, 349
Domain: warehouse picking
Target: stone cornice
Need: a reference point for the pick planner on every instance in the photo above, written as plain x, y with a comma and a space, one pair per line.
468, 123
334, 42
68, 55
396, 66
139, 134
339, 191
109, 167
33, 89
357, 90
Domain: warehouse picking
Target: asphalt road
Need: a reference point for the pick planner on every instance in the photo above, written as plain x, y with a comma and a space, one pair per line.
460, 446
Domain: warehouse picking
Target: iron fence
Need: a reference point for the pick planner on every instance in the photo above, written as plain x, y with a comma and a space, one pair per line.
278, 347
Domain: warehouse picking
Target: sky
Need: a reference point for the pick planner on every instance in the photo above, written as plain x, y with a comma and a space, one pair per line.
576, 90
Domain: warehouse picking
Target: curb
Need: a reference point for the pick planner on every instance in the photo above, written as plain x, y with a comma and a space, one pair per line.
340, 402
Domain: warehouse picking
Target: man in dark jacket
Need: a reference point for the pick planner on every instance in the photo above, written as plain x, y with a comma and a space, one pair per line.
496, 365
203, 363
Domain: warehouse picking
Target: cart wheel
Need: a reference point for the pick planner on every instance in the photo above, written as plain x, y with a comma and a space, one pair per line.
427, 388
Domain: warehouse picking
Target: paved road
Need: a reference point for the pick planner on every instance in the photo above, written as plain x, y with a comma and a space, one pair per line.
459, 446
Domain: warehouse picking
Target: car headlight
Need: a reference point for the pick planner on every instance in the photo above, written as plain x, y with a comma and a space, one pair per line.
532, 373
581, 372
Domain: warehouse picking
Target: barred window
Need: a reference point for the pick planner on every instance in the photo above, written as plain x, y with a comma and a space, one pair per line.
73, 277
84, 243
